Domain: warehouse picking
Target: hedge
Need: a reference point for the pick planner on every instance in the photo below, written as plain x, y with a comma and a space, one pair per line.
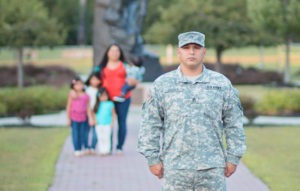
32, 100
279, 102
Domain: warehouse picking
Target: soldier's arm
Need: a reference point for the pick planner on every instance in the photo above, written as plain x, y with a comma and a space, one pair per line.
150, 130
233, 126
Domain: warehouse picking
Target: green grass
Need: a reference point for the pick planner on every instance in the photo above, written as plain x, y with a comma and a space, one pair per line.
273, 155
28, 157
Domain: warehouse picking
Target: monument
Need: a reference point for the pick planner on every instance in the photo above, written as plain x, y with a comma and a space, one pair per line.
120, 21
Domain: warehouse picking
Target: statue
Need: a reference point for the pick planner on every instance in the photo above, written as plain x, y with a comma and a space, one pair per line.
120, 21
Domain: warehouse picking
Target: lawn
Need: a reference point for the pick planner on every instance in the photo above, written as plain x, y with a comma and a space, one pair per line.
28, 157
273, 155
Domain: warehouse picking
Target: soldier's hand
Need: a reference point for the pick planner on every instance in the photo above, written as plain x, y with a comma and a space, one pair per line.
230, 169
157, 170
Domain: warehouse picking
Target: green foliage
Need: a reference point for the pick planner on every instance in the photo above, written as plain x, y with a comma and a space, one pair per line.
279, 102
276, 17
26, 23
67, 12
155, 8
28, 157
3, 109
248, 106
272, 154
32, 100
223, 22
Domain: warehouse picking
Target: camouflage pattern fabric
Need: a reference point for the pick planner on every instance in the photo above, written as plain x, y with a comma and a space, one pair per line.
191, 37
194, 180
183, 122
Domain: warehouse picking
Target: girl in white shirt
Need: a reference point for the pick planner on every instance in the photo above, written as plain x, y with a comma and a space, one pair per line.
93, 83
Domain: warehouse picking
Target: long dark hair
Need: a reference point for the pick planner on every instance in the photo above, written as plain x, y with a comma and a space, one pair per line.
98, 101
104, 60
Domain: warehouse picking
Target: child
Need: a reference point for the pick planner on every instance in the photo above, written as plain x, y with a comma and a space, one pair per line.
93, 83
104, 115
133, 71
77, 111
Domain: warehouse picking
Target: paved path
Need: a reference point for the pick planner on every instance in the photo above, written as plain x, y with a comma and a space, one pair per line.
128, 172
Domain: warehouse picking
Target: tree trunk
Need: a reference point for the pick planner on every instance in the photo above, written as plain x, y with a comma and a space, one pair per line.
219, 52
101, 37
81, 38
261, 57
287, 61
20, 69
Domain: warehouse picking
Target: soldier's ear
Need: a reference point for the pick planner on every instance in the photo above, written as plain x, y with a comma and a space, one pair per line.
204, 51
178, 51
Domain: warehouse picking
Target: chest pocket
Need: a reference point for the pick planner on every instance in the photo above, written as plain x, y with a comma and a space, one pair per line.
210, 98
176, 104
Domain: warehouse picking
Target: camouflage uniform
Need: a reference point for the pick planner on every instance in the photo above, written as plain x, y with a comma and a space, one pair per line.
183, 123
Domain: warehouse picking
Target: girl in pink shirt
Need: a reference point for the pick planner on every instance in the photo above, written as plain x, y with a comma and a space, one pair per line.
78, 112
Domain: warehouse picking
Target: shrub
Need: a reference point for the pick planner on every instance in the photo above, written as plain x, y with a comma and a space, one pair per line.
3, 109
280, 102
33, 100
248, 104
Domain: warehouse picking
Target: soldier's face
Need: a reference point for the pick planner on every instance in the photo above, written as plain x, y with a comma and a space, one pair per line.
191, 55
114, 53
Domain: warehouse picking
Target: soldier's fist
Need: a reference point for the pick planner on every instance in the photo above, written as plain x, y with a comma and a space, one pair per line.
157, 170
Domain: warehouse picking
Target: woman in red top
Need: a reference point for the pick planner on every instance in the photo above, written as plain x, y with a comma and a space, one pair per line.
113, 75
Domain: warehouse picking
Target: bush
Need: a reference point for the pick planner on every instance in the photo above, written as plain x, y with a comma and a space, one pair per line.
280, 102
248, 104
57, 76
3, 109
32, 100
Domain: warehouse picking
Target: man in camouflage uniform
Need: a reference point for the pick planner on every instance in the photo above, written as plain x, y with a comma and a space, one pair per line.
183, 121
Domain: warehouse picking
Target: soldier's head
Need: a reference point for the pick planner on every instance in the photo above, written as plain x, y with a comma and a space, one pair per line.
191, 49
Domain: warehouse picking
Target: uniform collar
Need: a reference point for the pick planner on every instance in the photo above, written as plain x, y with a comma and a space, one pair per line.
203, 78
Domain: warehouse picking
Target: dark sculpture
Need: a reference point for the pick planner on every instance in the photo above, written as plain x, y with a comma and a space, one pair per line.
125, 18
122, 22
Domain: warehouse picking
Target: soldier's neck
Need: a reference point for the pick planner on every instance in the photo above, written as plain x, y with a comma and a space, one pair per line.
191, 71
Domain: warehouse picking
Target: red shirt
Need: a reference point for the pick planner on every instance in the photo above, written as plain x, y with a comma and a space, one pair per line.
114, 79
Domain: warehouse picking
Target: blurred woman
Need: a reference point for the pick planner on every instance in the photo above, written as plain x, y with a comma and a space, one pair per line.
113, 75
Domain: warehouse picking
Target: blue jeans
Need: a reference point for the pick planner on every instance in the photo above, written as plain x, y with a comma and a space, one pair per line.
78, 134
94, 138
122, 111
86, 135
126, 88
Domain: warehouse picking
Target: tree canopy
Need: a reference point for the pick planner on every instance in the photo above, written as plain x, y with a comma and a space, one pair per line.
26, 23
279, 18
67, 12
223, 22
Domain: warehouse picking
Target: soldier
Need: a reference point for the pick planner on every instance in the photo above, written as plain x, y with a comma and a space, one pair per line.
183, 120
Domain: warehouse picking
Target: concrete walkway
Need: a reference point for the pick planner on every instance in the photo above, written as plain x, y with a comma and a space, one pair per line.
128, 172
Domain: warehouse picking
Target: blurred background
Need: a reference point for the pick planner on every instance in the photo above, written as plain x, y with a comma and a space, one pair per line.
256, 44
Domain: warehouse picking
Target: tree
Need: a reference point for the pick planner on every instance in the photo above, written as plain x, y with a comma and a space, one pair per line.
155, 9
68, 13
26, 23
278, 18
223, 22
